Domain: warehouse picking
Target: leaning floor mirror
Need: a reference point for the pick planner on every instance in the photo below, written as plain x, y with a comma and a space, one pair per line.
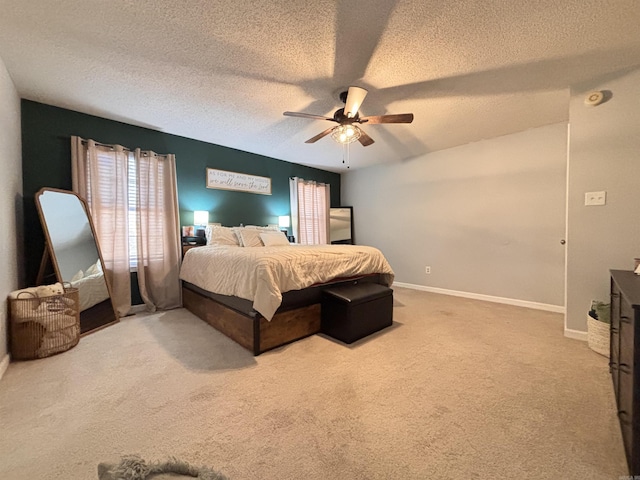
74, 251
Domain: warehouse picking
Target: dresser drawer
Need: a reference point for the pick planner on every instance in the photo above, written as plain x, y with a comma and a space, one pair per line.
627, 346
625, 389
627, 313
614, 350
614, 354
627, 433
625, 410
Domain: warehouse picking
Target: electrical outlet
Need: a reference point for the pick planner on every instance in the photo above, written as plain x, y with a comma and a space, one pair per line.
595, 198
427, 269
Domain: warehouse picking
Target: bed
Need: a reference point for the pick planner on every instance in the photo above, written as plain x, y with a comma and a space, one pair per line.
266, 297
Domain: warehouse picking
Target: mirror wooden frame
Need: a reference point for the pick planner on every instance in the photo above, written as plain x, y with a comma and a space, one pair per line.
96, 317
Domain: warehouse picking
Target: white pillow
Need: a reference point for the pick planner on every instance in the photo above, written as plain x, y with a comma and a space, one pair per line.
274, 239
77, 276
250, 237
93, 269
223, 236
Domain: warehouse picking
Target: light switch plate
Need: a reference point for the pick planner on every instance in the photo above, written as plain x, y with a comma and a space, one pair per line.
595, 198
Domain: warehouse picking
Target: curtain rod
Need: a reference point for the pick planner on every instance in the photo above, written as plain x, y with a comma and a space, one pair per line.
85, 142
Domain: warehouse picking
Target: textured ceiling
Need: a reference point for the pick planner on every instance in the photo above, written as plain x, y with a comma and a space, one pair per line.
225, 71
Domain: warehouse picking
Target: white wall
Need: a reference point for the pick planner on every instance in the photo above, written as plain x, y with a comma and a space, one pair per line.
487, 217
10, 200
604, 155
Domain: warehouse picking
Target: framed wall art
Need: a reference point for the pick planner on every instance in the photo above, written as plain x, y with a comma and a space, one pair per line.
242, 182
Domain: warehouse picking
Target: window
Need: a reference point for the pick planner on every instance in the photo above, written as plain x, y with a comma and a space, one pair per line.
310, 211
133, 200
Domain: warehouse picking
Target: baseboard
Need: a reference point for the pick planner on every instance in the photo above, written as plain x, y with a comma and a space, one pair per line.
486, 298
137, 309
575, 334
4, 364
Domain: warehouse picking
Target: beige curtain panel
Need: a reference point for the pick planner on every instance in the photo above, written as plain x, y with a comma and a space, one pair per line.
157, 221
99, 175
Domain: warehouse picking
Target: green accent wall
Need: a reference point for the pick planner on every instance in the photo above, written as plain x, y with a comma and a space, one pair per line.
46, 162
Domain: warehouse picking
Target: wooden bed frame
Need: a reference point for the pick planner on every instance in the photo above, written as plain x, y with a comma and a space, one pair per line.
252, 330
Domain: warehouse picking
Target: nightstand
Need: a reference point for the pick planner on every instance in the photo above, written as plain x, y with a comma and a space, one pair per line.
186, 246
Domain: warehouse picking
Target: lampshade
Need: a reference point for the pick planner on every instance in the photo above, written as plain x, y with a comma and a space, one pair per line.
355, 97
283, 221
200, 217
345, 134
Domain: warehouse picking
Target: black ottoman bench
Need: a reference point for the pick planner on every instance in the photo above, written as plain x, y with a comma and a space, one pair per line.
351, 312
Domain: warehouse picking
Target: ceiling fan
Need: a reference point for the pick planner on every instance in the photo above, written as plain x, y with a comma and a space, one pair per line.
346, 131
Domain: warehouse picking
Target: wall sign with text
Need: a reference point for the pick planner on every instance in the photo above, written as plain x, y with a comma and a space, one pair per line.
241, 182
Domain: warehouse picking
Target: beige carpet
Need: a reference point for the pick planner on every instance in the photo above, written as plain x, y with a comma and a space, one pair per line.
455, 389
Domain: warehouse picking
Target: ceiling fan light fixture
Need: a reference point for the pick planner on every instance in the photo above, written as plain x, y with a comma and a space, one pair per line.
346, 134
355, 97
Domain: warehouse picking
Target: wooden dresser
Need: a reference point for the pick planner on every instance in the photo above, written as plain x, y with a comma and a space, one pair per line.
624, 363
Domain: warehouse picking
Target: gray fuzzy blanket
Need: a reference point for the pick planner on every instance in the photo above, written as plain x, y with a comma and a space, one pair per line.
132, 467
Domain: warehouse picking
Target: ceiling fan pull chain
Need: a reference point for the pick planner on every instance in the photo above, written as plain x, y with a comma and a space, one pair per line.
347, 147
345, 153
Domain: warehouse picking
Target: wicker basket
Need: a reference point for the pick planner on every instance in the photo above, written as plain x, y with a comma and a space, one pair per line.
43, 326
598, 336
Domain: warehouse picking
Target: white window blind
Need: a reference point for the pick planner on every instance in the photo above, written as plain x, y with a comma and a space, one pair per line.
104, 197
107, 182
132, 202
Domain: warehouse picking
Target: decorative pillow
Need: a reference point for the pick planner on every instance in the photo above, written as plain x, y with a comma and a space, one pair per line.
208, 229
223, 236
274, 239
236, 232
250, 237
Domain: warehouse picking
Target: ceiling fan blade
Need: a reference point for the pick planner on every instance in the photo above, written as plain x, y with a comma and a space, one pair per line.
396, 118
359, 30
365, 139
307, 115
320, 135
355, 97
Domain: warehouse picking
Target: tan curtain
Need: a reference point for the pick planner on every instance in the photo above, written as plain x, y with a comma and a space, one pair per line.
157, 220
310, 203
293, 198
99, 175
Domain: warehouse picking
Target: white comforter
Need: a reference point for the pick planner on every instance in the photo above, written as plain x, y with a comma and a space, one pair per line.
92, 289
262, 274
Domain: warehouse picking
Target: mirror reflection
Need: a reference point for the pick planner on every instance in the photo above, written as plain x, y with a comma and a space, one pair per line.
75, 254
341, 225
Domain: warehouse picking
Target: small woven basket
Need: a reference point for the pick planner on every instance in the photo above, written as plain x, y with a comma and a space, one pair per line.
43, 326
598, 336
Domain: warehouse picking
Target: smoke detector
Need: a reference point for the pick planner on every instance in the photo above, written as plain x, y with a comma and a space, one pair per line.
594, 98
